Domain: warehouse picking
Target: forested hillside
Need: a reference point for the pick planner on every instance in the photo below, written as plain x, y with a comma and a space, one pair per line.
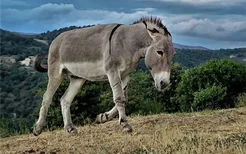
21, 88
191, 58
14, 44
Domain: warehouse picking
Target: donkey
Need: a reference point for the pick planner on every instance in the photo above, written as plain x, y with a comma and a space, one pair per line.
105, 52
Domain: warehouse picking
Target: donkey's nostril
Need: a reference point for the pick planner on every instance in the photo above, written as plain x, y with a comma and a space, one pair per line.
163, 84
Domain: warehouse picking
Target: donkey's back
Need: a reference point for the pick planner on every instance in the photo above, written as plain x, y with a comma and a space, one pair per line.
81, 52
84, 44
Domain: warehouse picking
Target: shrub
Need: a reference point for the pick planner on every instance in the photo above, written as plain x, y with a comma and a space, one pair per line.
226, 74
208, 98
242, 100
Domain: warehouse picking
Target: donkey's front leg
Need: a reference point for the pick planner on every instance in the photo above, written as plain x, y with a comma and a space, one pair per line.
119, 100
107, 116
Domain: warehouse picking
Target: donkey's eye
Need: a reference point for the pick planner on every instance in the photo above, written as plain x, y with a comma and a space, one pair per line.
160, 53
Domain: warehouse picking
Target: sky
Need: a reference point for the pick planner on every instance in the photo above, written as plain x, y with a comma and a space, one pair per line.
213, 24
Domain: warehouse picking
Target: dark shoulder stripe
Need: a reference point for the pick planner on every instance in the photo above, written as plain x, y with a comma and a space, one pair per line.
111, 34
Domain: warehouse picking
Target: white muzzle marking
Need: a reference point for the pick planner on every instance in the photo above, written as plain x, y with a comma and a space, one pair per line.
163, 76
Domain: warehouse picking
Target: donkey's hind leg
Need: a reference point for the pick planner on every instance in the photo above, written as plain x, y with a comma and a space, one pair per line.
107, 116
66, 100
53, 84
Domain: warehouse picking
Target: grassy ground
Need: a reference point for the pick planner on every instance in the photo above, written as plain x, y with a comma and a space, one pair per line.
222, 131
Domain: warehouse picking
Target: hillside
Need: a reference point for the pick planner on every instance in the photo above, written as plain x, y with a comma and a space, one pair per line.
14, 44
222, 131
190, 58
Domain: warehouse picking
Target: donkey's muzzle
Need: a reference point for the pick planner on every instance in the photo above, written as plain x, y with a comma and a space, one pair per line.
162, 85
162, 80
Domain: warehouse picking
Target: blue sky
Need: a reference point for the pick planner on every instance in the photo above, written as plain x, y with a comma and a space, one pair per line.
209, 23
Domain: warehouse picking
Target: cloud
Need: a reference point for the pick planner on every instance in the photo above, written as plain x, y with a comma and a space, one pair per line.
145, 9
104, 17
44, 12
48, 15
220, 29
195, 26
214, 7
6, 3
53, 16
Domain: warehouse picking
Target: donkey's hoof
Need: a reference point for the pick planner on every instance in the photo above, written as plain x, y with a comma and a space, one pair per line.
127, 129
71, 130
101, 118
37, 130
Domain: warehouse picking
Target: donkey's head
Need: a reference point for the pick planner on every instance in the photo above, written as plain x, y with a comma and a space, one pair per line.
159, 54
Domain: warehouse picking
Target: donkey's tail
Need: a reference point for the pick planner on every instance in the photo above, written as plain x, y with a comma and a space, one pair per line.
38, 66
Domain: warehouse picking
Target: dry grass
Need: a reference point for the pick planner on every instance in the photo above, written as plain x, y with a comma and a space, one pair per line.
217, 132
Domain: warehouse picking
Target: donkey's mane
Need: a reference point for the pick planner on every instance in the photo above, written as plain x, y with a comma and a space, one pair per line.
154, 20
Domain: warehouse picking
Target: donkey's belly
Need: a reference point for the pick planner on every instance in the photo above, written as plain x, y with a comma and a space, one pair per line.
92, 71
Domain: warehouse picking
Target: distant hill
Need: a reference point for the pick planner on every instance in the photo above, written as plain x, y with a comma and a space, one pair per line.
181, 46
15, 44
26, 35
191, 57
50, 35
24, 45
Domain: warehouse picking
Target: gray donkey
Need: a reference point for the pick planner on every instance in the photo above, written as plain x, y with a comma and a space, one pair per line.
105, 52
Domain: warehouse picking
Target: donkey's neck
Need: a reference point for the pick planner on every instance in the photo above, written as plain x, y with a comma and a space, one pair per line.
143, 41
141, 52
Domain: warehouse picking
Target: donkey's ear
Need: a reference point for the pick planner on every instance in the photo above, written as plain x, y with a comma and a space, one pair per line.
153, 31
154, 34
